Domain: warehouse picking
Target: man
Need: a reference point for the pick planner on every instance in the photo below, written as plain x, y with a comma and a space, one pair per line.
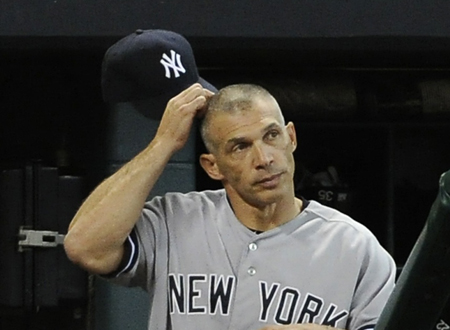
249, 256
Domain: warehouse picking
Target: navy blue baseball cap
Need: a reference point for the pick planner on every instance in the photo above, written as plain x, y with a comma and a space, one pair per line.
148, 68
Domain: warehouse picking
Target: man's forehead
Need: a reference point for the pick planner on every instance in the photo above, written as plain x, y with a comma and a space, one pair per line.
232, 132
226, 124
246, 118
258, 108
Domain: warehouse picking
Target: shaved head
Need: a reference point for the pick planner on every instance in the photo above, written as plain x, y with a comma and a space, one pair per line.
233, 99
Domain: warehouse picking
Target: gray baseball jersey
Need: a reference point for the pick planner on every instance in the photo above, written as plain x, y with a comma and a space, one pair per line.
205, 270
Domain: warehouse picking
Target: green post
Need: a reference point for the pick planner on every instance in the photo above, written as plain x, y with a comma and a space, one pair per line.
423, 287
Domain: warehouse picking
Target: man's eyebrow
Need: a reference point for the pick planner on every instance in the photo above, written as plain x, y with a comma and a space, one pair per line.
236, 140
271, 126
242, 139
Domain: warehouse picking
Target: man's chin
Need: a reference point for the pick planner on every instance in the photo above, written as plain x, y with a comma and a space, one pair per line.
267, 197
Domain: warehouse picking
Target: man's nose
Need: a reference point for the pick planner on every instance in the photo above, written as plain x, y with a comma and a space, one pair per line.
262, 156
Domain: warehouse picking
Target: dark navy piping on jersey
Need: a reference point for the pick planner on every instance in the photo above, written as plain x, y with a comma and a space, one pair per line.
367, 327
130, 256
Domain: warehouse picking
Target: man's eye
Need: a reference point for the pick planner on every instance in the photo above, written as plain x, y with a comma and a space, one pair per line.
273, 134
239, 147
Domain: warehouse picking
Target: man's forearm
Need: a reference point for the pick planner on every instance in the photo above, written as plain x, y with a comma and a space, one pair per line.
101, 225
98, 230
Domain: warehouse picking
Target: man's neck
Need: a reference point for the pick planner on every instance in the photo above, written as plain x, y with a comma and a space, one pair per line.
268, 216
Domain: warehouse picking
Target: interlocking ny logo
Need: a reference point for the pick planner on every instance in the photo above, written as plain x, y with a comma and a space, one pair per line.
174, 63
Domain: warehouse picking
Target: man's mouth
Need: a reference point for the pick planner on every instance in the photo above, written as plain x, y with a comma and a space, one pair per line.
270, 181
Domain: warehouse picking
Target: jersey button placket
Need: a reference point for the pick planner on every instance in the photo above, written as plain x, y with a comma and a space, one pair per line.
252, 247
247, 285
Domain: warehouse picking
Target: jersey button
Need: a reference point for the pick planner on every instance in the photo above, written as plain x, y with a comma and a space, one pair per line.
252, 246
251, 271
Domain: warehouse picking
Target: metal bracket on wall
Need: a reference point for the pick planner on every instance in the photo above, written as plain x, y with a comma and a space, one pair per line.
29, 238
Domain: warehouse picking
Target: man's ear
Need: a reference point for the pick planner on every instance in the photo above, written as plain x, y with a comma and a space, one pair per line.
292, 135
209, 164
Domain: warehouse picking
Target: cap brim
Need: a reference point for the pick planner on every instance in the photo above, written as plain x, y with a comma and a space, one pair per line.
207, 85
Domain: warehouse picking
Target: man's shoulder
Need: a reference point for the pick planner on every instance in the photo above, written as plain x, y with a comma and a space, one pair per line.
345, 229
197, 196
192, 198
334, 217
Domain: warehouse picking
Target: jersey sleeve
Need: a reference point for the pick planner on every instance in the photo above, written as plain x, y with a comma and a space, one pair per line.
375, 284
147, 240
129, 258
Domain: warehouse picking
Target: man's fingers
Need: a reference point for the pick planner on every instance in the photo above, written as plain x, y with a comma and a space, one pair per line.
190, 96
201, 110
195, 99
197, 104
189, 93
208, 92
190, 89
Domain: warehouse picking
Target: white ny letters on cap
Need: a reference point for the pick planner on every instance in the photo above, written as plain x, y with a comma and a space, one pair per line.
173, 62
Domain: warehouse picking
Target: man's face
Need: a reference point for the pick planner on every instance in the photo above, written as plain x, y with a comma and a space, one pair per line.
254, 153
